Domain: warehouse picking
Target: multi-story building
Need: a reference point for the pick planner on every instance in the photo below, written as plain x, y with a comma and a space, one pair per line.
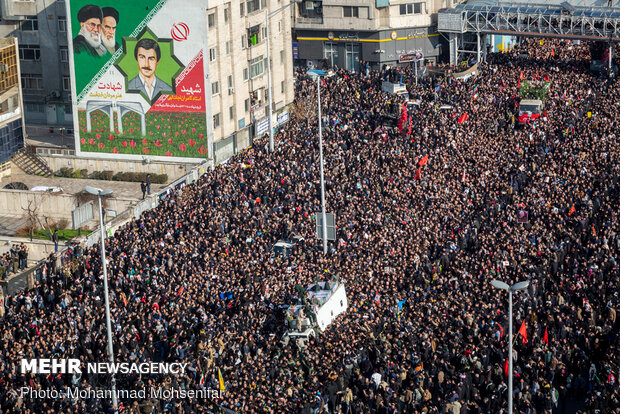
237, 62
11, 113
343, 32
238, 66
41, 29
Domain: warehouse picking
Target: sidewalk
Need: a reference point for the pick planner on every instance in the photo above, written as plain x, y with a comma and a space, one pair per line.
40, 135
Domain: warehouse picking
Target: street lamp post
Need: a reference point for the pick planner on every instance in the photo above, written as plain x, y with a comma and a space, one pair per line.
514, 288
99, 193
318, 95
269, 88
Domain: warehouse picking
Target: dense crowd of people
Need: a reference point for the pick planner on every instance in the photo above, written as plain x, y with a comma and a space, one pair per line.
426, 220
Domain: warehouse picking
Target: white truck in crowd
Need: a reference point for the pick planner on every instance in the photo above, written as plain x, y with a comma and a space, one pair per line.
324, 301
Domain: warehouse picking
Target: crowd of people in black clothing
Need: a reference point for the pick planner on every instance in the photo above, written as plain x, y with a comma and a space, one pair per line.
426, 220
13, 261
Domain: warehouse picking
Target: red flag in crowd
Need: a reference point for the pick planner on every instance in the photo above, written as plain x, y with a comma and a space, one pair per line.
423, 161
463, 118
180, 292
546, 78
571, 211
546, 337
323, 82
521, 76
403, 119
552, 52
506, 368
523, 332
418, 173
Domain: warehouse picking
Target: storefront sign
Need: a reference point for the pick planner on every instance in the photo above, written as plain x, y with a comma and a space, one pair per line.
295, 50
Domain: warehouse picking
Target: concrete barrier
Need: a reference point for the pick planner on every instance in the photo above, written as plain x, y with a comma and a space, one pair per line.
55, 206
37, 249
173, 170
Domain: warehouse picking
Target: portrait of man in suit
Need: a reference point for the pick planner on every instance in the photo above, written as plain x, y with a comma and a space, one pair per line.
148, 54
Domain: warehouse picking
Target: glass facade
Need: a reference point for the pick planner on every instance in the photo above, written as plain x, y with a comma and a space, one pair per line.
11, 139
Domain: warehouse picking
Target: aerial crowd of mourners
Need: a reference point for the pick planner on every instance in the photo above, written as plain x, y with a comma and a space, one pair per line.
426, 218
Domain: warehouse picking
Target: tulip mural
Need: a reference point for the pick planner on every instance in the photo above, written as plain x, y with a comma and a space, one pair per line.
183, 127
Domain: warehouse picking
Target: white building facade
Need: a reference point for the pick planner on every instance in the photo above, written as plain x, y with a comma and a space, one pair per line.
237, 54
345, 32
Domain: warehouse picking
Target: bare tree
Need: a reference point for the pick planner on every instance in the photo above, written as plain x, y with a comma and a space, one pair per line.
305, 110
32, 215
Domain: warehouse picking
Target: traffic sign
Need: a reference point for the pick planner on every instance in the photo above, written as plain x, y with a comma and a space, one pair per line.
331, 226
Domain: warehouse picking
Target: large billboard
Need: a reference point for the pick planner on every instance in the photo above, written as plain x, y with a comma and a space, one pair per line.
138, 78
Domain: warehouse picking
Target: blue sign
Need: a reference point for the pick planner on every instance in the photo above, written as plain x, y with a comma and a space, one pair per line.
295, 50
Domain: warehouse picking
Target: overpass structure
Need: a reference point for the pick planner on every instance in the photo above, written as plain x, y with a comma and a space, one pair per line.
467, 23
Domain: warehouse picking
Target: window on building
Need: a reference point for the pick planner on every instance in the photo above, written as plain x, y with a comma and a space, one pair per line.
64, 54
62, 24
8, 60
412, 8
216, 121
244, 41
350, 11
211, 20
246, 75
215, 88
29, 52
32, 81
282, 87
66, 83
282, 57
35, 107
68, 108
264, 34
212, 54
253, 5
31, 23
226, 14
247, 105
257, 67
330, 52
242, 9
231, 113
230, 81
227, 48
279, 26
253, 35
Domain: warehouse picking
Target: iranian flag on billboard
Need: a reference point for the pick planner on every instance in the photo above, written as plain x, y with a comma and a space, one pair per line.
138, 78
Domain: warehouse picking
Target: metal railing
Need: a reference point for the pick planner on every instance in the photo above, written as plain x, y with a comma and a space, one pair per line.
546, 20
18, 282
